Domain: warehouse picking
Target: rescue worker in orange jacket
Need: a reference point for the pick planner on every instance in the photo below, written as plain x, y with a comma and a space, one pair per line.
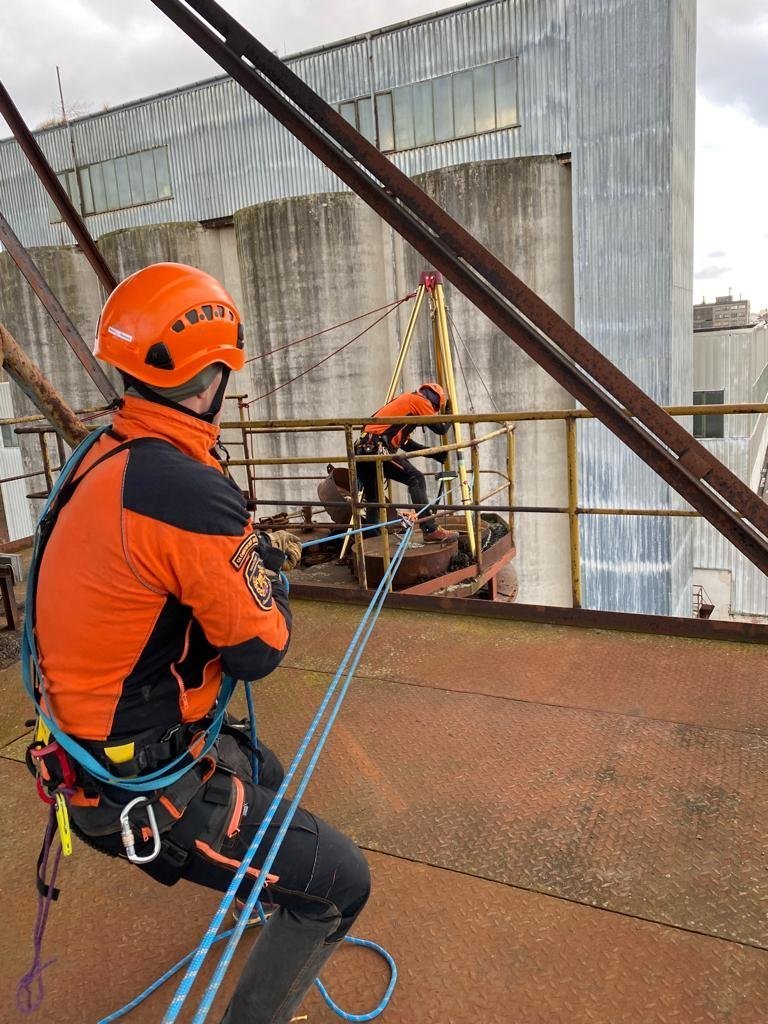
153, 582
377, 438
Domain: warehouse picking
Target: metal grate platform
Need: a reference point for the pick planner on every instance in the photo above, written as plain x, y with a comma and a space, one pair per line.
567, 826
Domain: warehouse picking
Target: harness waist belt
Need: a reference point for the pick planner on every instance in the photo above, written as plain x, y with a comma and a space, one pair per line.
144, 752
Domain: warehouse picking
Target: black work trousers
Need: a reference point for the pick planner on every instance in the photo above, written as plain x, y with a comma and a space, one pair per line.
322, 883
404, 472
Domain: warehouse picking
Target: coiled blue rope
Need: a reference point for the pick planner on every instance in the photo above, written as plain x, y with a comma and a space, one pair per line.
366, 943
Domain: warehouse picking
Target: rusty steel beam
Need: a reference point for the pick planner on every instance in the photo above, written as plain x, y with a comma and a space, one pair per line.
592, 379
55, 190
56, 311
39, 389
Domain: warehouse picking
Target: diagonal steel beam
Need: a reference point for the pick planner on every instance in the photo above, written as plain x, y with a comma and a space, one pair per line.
56, 311
55, 190
684, 463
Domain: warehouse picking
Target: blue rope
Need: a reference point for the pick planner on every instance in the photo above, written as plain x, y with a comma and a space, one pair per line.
360, 637
351, 533
254, 737
124, 1010
380, 526
366, 943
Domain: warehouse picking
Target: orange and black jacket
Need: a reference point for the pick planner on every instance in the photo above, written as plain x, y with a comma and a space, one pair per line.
398, 435
151, 583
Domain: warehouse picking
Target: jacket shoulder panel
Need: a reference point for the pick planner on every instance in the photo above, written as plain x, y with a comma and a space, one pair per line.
163, 483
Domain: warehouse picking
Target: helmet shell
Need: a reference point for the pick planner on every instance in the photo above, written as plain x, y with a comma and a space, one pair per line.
165, 323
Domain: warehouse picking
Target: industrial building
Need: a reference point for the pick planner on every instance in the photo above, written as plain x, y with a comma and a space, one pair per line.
724, 312
538, 125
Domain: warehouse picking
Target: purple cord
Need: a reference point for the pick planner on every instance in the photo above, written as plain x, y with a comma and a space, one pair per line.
26, 1002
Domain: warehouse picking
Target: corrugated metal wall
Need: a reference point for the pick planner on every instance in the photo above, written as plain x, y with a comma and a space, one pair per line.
733, 361
749, 586
631, 74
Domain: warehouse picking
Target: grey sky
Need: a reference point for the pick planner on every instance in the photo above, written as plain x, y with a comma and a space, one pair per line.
111, 51
732, 54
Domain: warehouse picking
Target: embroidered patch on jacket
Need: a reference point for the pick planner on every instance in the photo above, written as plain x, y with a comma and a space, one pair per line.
247, 558
244, 549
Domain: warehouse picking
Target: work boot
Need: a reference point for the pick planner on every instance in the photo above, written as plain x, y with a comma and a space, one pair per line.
439, 536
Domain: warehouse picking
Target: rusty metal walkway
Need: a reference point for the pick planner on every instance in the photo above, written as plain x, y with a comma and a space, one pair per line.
565, 826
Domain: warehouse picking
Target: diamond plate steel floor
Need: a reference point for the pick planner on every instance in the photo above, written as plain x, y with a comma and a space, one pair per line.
568, 826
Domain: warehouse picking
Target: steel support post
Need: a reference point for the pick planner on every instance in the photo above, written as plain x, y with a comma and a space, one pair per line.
573, 516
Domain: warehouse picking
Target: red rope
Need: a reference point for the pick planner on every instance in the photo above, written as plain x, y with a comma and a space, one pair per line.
389, 306
335, 352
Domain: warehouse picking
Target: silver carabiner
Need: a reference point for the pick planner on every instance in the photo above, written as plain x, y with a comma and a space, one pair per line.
126, 831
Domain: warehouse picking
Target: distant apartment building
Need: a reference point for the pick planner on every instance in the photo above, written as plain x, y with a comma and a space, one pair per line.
725, 312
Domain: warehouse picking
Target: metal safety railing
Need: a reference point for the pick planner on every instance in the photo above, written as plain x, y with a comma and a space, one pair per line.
38, 427
251, 429
243, 433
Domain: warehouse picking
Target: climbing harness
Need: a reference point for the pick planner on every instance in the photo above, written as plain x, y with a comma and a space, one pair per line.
54, 755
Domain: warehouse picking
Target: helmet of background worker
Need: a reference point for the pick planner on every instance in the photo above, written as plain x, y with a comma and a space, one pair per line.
434, 393
169, 329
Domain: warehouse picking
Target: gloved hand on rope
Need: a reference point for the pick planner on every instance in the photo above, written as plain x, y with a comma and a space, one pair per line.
273, 545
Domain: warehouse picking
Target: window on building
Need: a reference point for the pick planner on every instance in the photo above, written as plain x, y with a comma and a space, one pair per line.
708, 424
132, 180
359, 113
481, 99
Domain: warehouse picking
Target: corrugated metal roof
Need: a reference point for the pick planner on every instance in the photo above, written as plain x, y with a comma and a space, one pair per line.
227, 153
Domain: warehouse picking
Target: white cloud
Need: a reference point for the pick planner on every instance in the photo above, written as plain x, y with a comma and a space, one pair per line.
731, 208
712, 273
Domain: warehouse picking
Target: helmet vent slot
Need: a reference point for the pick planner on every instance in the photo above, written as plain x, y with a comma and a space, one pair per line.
159, 357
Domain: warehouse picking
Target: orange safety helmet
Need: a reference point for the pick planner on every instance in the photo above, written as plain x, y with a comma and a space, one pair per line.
437, 390
166, 323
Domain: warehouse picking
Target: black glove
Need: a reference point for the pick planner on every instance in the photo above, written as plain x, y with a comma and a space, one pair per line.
441, 457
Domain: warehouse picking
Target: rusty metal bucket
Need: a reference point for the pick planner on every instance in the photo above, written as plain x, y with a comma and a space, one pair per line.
335, 488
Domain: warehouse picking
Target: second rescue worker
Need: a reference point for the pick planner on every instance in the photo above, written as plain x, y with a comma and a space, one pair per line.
377, 438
